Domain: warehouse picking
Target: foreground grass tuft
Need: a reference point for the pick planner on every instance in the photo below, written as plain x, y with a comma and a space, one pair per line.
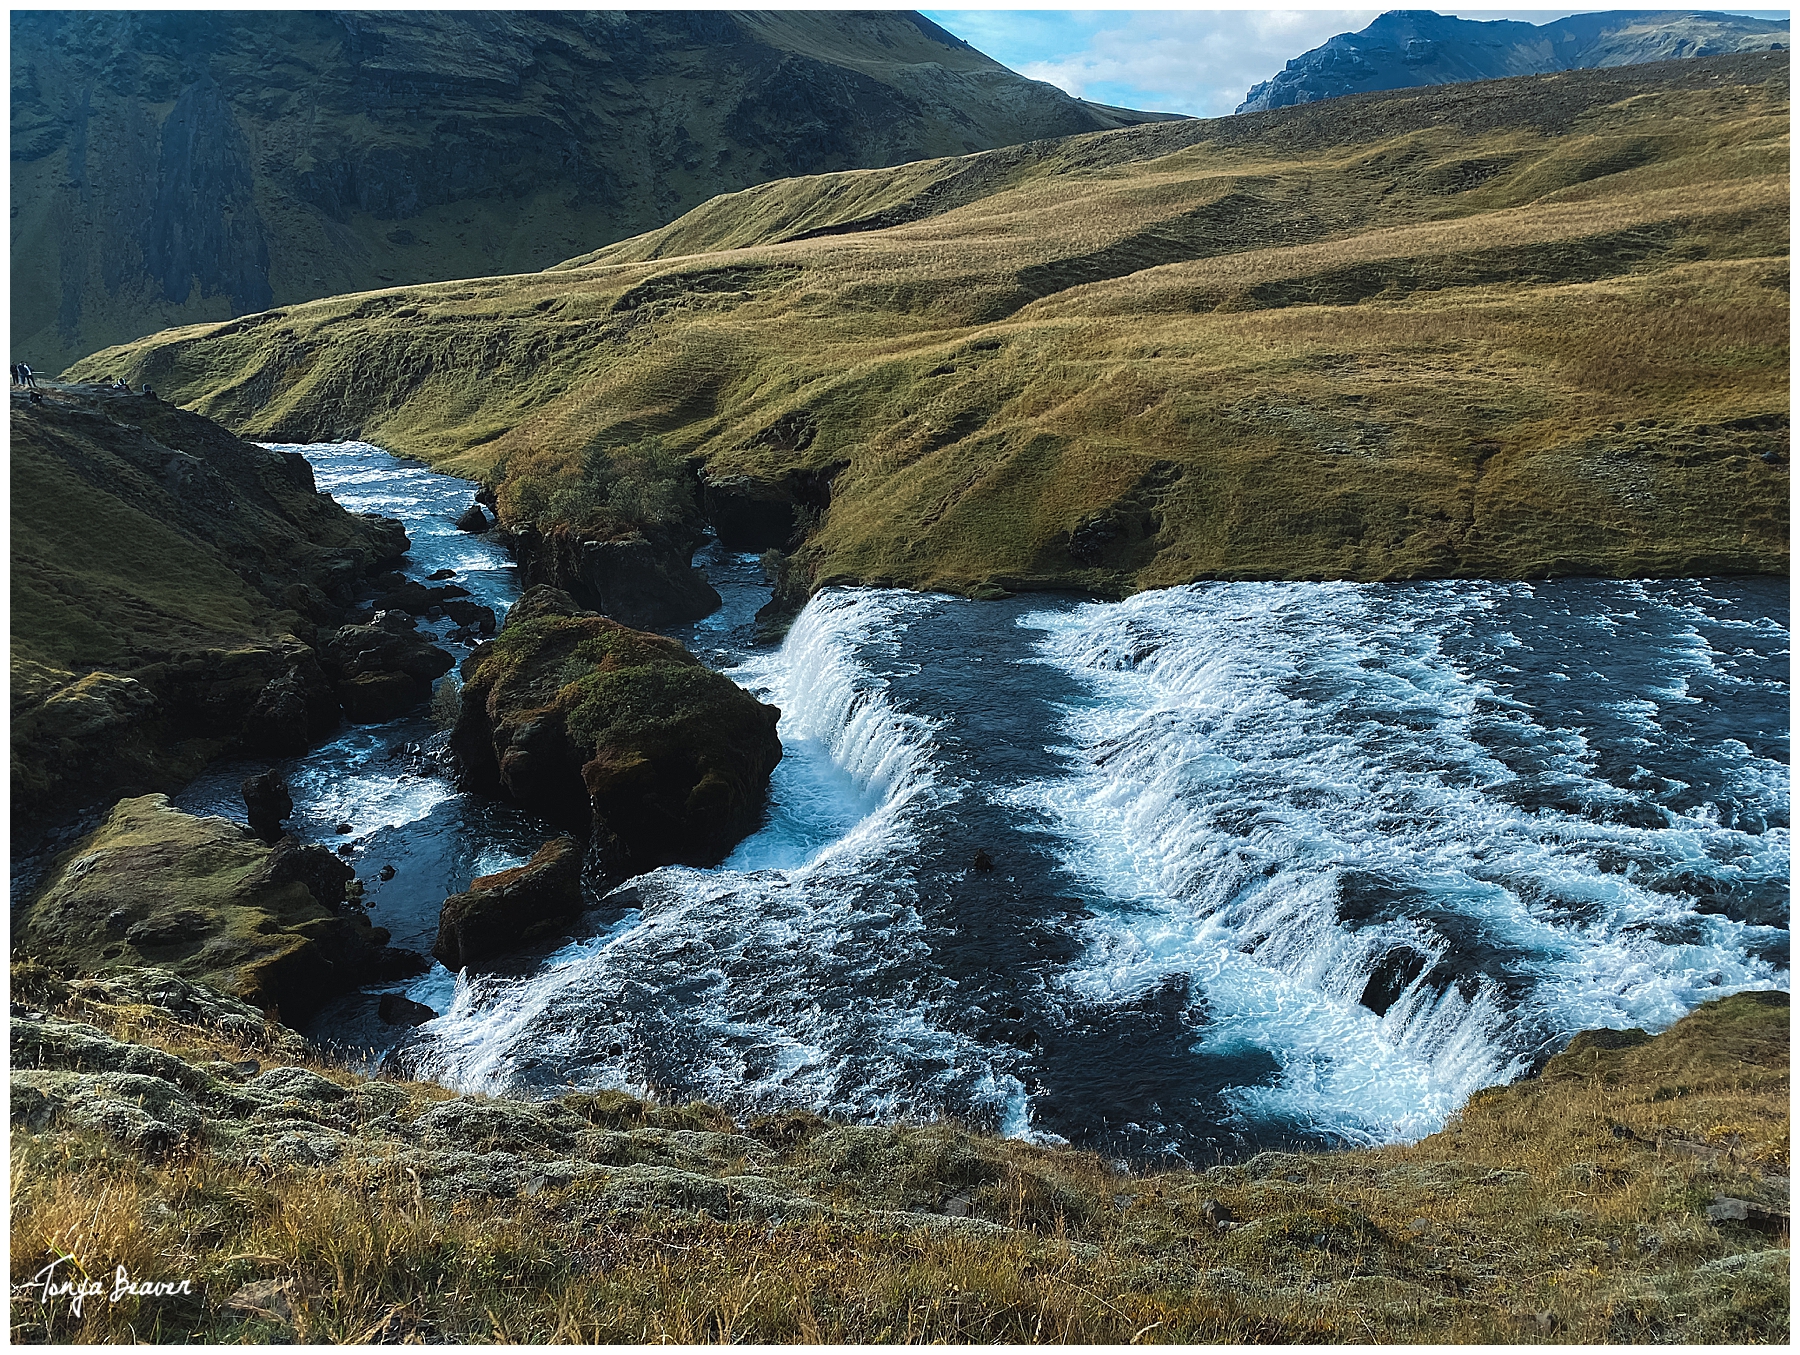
1570, 1207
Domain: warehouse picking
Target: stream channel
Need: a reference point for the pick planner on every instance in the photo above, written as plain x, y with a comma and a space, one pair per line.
1275, 864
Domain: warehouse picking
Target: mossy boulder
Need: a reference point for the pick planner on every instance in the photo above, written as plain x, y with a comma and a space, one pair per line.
501, 911
203, 899
616, 732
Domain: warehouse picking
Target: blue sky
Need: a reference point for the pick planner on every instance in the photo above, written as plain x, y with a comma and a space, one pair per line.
1175, 60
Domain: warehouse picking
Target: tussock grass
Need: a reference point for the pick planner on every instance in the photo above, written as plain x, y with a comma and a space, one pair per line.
1569, 1207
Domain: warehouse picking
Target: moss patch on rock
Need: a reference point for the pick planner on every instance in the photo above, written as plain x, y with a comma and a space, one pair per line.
616, 732
203, 899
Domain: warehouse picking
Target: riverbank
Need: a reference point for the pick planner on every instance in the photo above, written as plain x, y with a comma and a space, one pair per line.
176, 591
1635, 1190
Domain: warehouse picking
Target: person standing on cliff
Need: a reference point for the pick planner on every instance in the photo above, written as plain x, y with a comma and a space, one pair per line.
25, 376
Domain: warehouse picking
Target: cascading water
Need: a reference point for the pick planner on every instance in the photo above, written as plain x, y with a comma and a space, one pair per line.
1271, 863
1397, 846
795, 973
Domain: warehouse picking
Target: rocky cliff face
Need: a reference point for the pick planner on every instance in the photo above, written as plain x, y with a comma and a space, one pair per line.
176, 167
1406, 48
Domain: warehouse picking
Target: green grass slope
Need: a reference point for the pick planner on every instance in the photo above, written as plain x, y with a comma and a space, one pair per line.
1530, 327
167, 583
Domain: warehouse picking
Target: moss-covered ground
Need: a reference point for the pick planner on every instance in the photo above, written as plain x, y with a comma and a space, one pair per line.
179, 1136
1523, 328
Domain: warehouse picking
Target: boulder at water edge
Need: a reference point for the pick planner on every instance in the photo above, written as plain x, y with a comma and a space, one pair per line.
382, 669
505, 910
200, 897
268, 801
615, 731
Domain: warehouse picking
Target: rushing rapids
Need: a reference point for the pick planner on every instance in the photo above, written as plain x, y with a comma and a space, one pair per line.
1270, 863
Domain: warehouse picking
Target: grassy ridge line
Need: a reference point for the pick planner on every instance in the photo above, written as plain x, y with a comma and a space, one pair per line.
162, 1128
1526, 328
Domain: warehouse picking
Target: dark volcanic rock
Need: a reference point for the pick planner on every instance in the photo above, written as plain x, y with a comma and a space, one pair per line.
471, 616
752, 514
383, 667
326, 878
396, 1009
196, 896
183, 629
416, 599
268, 802
662, 759
292, 709
748, 514
1404, 49
472, 519
502, 911
633, 579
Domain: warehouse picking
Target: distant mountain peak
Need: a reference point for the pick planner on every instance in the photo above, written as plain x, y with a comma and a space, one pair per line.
1405, 48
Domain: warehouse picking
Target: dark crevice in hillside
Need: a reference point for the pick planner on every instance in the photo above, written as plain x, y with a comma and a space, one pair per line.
1194, 237
1239, 221
1552, 261
980, 175
742, 278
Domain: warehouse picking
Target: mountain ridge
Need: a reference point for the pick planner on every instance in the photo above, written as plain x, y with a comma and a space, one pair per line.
1410, 48
170, 168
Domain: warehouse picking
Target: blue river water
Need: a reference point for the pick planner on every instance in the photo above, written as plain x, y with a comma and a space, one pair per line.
1273, 863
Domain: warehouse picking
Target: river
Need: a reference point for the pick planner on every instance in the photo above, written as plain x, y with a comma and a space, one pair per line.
1272, 863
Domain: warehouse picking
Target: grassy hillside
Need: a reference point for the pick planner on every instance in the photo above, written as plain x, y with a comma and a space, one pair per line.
167, 583
1635, 1191
175, 167
1530, 327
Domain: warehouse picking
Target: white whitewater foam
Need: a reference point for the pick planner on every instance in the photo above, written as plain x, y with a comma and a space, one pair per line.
793, 974
1249, 747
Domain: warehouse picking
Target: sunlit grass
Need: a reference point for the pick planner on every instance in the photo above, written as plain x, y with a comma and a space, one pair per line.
1569, 1207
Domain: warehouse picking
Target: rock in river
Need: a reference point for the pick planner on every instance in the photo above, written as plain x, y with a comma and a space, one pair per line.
382, 668
617, 732
501, 911
201, 898
268, 801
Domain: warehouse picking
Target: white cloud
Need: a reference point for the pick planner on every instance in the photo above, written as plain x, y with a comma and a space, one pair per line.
1174, 61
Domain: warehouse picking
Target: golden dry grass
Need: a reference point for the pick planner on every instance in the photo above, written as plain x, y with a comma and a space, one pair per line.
1569, 1207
